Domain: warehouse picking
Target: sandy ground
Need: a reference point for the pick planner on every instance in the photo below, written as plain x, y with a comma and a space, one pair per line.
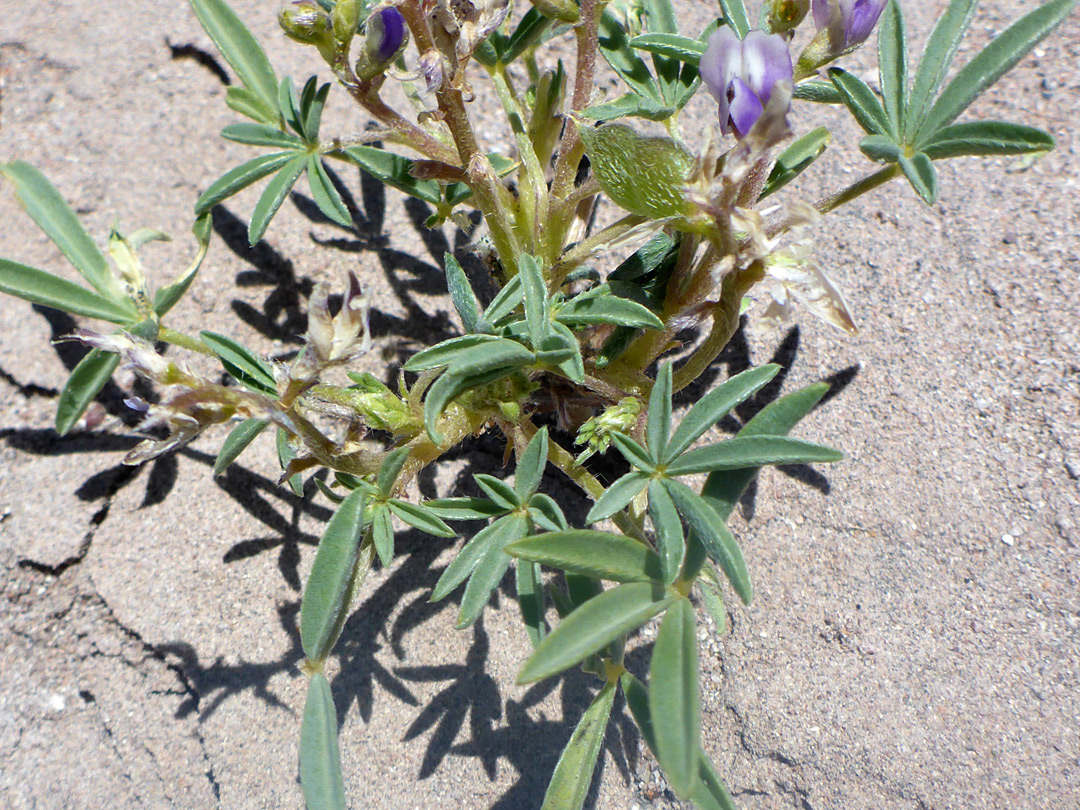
914, 642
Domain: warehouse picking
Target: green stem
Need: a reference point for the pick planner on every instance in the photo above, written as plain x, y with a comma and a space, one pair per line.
192, 344
828, 204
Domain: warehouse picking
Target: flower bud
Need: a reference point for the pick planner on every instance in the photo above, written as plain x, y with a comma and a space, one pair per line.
385, 37
345, 18
595, 434
848, 22
305, 22
785, 15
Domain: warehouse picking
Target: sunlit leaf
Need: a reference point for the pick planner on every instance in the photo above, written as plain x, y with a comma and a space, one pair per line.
320, 758
324, 193
382, 534
239, 47
670, 541
754, 451
617, 496
892, 63
243, 176
420, 518
273, 196
237, 441
531, 465
39, 287
573, 774
602, 555
489, 569
86, 381
593, 626
247, 369
675, 698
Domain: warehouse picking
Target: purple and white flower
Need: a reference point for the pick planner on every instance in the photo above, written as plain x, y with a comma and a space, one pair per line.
741, 75
849, 22
385, 36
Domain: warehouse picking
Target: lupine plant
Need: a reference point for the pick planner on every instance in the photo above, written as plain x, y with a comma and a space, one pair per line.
574, 349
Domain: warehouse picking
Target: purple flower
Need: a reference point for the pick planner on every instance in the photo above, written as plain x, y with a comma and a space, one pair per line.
849, 22
741, 75
386, 35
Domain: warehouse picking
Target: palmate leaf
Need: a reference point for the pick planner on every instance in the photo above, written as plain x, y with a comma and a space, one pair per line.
601, 555
603, 305
594, 625
573, 774
52, 214
675, 699
337, 566
443, 354
920, 172
616, 50
86, 381
261, 135
660, 19
394, 171
239, 47
320, 758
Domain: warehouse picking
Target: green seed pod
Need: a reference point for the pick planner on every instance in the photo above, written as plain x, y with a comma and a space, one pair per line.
645, 175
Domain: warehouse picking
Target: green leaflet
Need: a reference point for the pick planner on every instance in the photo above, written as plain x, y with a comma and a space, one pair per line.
242, 365
325, 195
243, 101
547, 514
333, 575
286, 454
892, 63
616, 50
987, 138
86, 380
573, 774
261, 135
794, 160
419, 518
617, 496
629, 105
658, 420
463, 508
710, 793
670, 541
920, 172
602, 555
382, 534
594, 625
936, 59
531, 465
682, 48
239, 47
862, 103
390, 469
52, 214
723, 489
273, 196
715, 405
498, 491
243, 176
735, 15
536, 299
237, 441
633, 452
602, 305
530, 594
675, 699
393, 170
43, 288
471, 553
461, 293
818, 92
442, 354
714, 535
489, 569
754, 451
320, 759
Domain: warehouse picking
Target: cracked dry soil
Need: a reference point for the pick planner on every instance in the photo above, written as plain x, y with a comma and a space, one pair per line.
915, 640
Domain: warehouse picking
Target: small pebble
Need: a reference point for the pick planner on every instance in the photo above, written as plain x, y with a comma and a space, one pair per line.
1008, 539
